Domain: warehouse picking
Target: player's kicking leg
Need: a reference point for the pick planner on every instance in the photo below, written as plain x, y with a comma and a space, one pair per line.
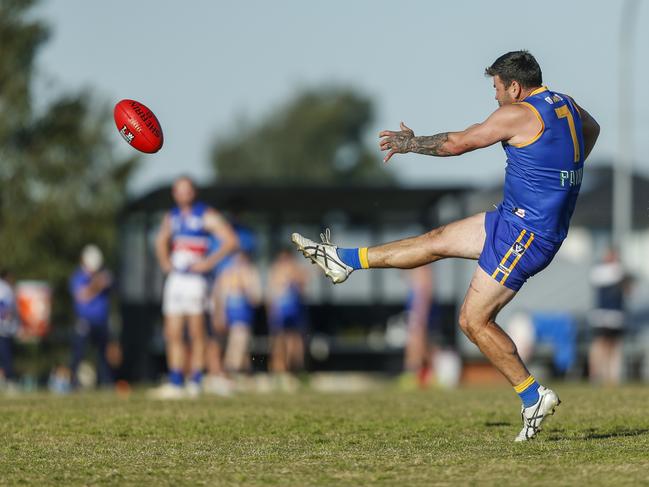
463, 238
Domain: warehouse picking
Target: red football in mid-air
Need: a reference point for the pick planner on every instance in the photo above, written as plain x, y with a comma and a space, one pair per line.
139, 126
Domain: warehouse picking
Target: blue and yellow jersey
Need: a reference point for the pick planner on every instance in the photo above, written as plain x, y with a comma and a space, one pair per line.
288, 302
544, 174
238, 308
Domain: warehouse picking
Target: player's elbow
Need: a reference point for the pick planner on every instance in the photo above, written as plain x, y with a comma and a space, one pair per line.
83, 295
592, 132
592, 126
596, 129
233, 243
459, 148
459, 143
456, 145
161, 243
455, 150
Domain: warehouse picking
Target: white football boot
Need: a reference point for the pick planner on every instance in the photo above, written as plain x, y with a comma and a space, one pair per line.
534, 415
324, 254
193, 389
168, 392
218, 386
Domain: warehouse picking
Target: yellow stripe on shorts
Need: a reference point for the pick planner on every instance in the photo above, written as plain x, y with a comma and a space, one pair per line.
518, 257
504, 259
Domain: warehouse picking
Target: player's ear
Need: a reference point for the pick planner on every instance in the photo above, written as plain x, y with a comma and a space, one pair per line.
515, 89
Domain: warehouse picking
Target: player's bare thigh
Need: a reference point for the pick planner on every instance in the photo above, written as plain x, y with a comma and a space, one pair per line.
196, 326
173, 327
462, 238
483, 301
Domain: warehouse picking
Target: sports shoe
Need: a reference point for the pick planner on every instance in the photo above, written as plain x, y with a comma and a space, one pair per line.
534, 415
193, 389
168, 391
218, 386
324, 254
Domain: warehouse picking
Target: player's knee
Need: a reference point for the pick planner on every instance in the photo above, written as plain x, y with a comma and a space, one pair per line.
463, 321
435, 239
197, 337
435, 233
469, 325
173, 334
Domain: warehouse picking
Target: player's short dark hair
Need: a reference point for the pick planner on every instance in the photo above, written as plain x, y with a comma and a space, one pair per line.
517, 66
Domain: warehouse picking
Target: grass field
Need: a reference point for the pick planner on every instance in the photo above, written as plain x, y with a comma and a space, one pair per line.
387, 437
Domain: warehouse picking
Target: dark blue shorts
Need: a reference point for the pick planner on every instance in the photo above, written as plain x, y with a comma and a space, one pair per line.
242, 315
512, 255
292, 321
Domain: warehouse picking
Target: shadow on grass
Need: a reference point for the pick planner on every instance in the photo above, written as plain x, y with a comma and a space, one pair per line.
595, 434
496, 424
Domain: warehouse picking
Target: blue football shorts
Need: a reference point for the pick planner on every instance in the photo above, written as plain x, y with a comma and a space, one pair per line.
239, 314
287, 320
511, 255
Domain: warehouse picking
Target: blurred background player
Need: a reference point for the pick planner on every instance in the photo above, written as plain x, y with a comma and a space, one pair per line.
9, 325
422, 314
182, 249
218, 382
287, 281
611, 284
238, 293
90, 287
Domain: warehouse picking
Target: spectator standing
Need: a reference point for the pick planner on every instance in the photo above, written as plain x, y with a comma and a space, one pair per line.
423, 320
607, 320
9, 325
90, 286
287, 281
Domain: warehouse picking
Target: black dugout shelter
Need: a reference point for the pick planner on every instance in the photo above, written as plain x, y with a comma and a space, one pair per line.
359, 214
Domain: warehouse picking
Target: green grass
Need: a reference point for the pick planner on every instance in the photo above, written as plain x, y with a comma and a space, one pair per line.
463, 437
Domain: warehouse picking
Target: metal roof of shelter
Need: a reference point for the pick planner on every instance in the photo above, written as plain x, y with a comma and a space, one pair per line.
307, 202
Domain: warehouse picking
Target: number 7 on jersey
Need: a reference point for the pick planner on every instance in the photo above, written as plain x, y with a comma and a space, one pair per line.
563, 112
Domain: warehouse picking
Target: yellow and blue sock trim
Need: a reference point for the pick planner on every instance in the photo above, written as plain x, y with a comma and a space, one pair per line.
197, 376
528, 391
355, 258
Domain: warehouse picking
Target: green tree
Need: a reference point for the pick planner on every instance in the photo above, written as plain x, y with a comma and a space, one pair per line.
316, 137
60, 184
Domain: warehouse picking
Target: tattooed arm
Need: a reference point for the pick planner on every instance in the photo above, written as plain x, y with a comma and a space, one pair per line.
508, 123
406, 141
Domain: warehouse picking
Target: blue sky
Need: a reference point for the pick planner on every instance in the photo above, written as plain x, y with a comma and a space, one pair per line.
204, 65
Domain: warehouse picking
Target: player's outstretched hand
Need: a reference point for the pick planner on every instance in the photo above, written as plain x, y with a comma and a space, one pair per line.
396, 142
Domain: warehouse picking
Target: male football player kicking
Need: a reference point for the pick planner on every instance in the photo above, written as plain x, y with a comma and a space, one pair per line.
546, 137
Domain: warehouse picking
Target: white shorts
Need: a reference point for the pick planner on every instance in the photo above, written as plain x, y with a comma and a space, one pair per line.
184, 294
